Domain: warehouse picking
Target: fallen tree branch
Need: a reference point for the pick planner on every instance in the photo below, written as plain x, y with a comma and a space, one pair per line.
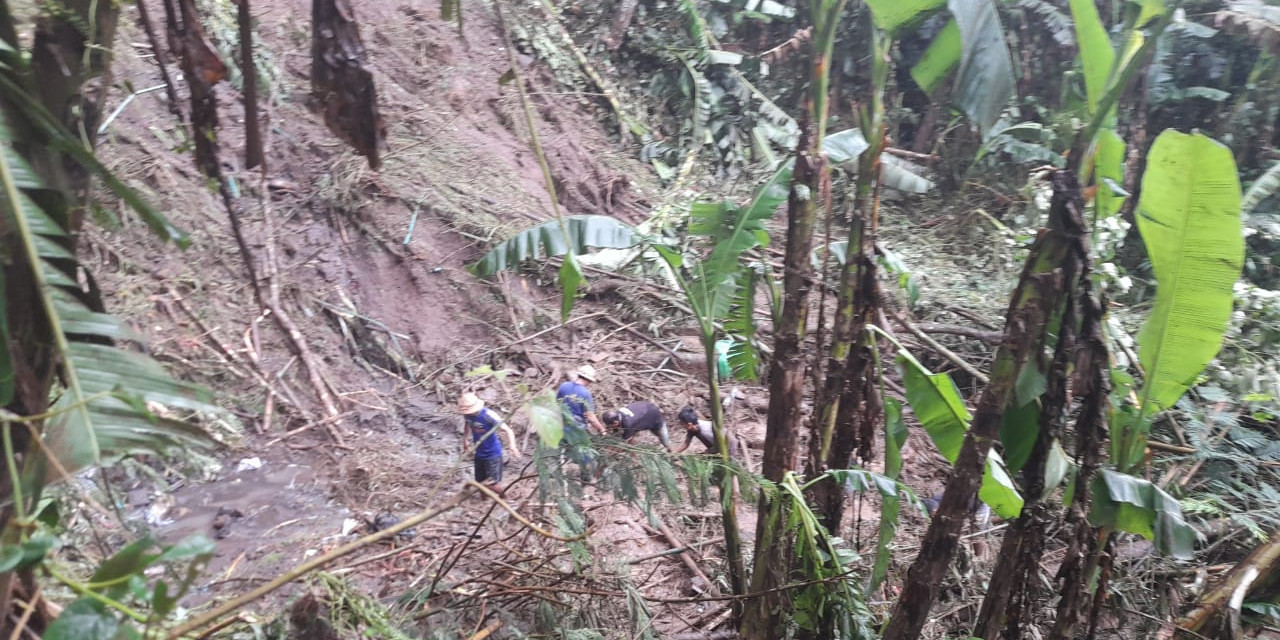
1258, 566
989, 337
643, 336
235, 604
492, 495
664, 531
941, 350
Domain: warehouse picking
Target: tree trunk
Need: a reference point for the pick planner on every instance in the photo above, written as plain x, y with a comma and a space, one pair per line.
849, 415
202, 69
340, 85
1040, 291
162, 60
763, 618
1014, 585
1093, 384
728, 501
249, 74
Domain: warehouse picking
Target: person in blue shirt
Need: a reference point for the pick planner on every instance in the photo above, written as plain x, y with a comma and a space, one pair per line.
484, 424
579, 411
576, 403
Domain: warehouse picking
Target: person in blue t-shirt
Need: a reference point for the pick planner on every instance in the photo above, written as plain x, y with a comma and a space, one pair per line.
579, 411
484, 424
577, 405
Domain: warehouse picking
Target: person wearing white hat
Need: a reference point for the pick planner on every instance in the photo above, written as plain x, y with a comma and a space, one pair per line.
484, 424
578, 409
576, 403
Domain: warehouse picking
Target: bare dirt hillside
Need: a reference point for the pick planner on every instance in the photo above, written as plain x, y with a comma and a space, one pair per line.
369, 266
343, 393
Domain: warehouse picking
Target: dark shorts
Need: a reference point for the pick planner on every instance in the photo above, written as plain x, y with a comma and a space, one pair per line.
489, 470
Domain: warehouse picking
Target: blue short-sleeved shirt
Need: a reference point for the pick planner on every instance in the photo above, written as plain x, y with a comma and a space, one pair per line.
482, 423
575, 402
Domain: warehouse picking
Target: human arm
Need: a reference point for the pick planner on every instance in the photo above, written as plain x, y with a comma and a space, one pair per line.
594, 422
511, 438
688, 439
466, 439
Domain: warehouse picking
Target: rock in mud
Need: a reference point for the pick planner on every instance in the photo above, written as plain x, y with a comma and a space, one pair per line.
387, 520
222, 521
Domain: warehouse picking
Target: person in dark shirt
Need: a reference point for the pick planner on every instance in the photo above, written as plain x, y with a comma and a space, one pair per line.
483, 424
695, 427
636, 417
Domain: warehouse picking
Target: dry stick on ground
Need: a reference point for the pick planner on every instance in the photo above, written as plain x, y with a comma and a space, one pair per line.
254, 368
333, 422
941, 350
664, 531
516, 342
1258, 566
203, 620
989, 337
643, 336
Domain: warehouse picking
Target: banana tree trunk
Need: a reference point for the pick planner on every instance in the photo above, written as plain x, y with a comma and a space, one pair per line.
728, 501
1040, 291
763, 617
1014, 580
848, 415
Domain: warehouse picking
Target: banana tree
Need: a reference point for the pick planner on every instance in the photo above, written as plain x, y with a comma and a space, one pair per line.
69, 398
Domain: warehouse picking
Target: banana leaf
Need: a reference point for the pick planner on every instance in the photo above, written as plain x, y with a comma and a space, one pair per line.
114, 401
545, 240
1096, 54
1264, 187
1189, 218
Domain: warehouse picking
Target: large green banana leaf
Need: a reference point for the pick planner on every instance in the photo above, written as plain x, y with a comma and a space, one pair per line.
1189, 217
107, 405
939, 59
1133, 505
972, 43
938, 406
893, 15
984, 81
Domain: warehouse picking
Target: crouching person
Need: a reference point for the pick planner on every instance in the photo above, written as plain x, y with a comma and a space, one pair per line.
702, 430
635, 418
484, 424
